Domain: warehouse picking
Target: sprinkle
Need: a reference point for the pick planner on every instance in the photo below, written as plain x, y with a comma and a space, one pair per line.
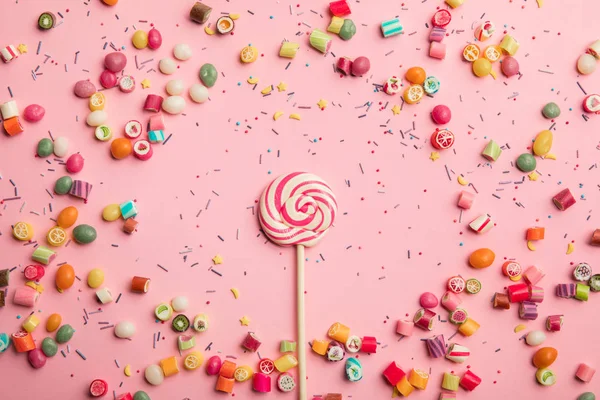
80, 354
163, 268
216, 272
118, 298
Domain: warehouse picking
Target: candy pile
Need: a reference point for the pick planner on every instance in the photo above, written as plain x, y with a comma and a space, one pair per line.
586, 63
482, 60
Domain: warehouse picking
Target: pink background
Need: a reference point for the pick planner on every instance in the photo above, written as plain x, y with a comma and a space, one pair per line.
402, 202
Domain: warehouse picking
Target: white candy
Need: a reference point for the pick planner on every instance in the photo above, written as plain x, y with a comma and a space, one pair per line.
179, 303
9, 109
173, 104
124, 330
96, 118
586, 64
61, 146
199, 93
104, 295
154, 375
175, 87
182, 51
535, 338
167, 66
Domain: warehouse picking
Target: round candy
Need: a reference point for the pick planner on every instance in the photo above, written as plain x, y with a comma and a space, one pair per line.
348, 30
53, 322
33, 113
61, 146
140, 39
84, 89
441, 18
36, 358
167, 66
49, 347
535, 338
182, 51
249, 54
442, 139
428, 300
179, 303
175, 87
544, 357
416, 75
213, 365
75, 163
431, 85
441, 114
45, 147
96, 118
551, 110
98, 388
110, 2
141, 395
95, 278
84, 234
154, 39
482, 258
65, 277
5, 342
542, 143
115, 61
127, 84
64, 334
121, 148
111, 212
173, 104
124, 330
526, 162
63, 185
510, 66
360, 66
208, 75
67, 217
103, 133
198, 93
154, 375
108, 79
586, 64
482, 67
587, 396
545, 377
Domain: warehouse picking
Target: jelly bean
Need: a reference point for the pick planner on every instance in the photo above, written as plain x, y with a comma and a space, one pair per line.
121, 148
108, 79
182, 51
63, 185
441, 114
124, 330
67, 217
45, 147
115, 61
110, 2
96, 118
36, 358
510, 66
587, 396
542, 143
173, 104
428, 300
535, 338
416, 75
551, 110
482, 67
179, 303
84, 234
49, 347
64, 334
154, 39
141, 395
111, 212
526, 162
33, 113
65, 277
213, 365
61, 146
140, 39
586, 64
95, 278
544, 357
167, 66
198, 93
175, 87
84, 89
208, 75
75, 163
53, 322
154, 375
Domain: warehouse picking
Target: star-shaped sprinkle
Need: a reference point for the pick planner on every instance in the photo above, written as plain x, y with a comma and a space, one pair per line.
396, 109
146, 83
533, 176
282, 87
434, 155
245, 321
217, 259
22, 48
322, 104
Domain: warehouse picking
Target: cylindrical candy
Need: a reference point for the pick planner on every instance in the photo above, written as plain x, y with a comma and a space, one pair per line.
251, 342
261, 383
436, 346
431, 85
320, 40
12, 126
491, 151
391, 27
450, 382
23, 341
582, 292
536, 294
320, 346
343, 65
8, 53
595, 240
9, 109
482, 224
43, 255
501, 301
528, 310
335, 351
533, 275
465, 200
339, 8
591, 103
335, 25
200, 12
104, 296
46, 20
25, 296
458, 353
469, 381
437, 50
153, 103
554, 323
369, 344
31, 323
441, 18
227, 369
140, 285
354, 371
200, 323
509, 45
142, 150
450, 301
582, 272
285, 363
563, 200
405, 328
585, 373
418, 378
393, 373
288, 49
224, 384
354, 344
339, 332
469, 327
437, 34
565, 290
404, 387
169, 366
518, 293
127, 84
424, 318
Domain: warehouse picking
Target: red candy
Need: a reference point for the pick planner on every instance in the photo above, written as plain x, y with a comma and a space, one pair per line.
36, 358
108, 79
393, 373
564, 199
428, 300
153, 103
369, 345
34, 272
154, 39
441, 114
75, 163
360, 66
469, 381
339, 8
98, 388
344, 65
266, 366
442, 139
518, 293
441, 18
125, 396
33, 113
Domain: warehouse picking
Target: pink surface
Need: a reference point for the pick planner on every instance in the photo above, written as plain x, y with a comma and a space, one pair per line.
204, 183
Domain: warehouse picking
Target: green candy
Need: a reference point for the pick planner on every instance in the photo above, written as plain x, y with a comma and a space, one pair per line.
348, 30
587, 396
45, 147
63, 185
208, 75
64, 334
492, 151
49, 347
551, 110
526, 162
84, 234
141, 395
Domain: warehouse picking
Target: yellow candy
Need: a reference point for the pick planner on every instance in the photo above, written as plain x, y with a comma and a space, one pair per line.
277, 115
542, 143
140, 39
482, 67
193, 360
53, 322
95, 278
31, 323
37, 286
509, 45
127, 370
285, 363
208, 30
111, 212
295, 116
234, 16
243, 373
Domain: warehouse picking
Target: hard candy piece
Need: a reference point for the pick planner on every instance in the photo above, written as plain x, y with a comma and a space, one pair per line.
115, 61
49, 347
95, 278
111, 212
535, 338
45, 148
96, 118
124, 330
67, 217
33, 113
154, 375
84, 234
587, 396
61, 146
441, 114
179, 303
108, 79
154, 39
64, 334
551, 110
526, 162
84, 89
428, 300
36, 358
173, 104
208, 75
360, 66
586, 64
63, 185
198, 93
167, 66
141, 395
542, 143
75, 163
182, 51
175, 87
510, 66
348, 30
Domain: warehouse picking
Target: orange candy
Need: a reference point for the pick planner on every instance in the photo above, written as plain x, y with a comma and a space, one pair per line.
227, 369
121, 148
416, 75
110, 2
544, 357
65, 277
67, 217
482, 258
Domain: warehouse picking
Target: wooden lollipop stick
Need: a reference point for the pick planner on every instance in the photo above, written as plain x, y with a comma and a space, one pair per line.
300, 311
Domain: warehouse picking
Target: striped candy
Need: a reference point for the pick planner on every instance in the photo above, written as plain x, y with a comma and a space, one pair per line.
297, 208
80, 189
436, 346
8, 53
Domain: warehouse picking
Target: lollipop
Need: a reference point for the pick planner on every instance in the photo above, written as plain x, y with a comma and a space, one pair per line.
297, 209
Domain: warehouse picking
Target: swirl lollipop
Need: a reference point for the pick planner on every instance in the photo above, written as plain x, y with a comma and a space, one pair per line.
297, 209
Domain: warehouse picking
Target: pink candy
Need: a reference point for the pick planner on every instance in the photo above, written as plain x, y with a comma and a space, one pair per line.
343, 65
585, 373
437, 50
360, 66
108, 79
533, 275
261, 383
153, 103
465, 200
441, 114
75, 163
405, 328
213, 366
115, 61
428, 300
450, 301
36, 358
84, 89
154, 39
510, 66
33, 113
